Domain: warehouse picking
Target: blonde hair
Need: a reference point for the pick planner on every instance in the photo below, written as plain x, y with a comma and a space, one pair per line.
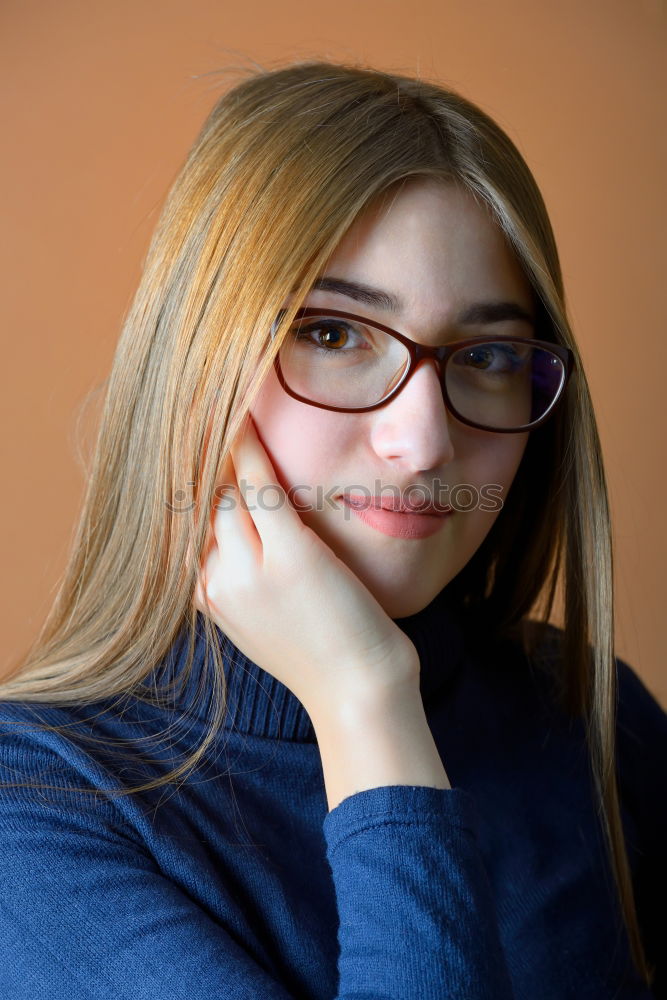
283, 165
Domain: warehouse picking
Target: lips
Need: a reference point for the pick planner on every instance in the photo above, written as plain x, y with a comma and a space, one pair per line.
395, 505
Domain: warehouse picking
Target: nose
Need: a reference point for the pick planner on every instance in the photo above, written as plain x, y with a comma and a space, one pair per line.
413, 429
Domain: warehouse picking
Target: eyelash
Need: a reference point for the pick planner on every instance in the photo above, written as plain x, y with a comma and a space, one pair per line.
302, 334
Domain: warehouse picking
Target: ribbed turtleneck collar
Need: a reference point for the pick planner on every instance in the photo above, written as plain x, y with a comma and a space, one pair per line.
259, 704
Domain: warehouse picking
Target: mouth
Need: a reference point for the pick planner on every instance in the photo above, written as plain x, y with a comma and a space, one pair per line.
396, 506
398, 519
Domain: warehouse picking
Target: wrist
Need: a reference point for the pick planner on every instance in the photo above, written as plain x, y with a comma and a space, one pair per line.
360, 694
371, 739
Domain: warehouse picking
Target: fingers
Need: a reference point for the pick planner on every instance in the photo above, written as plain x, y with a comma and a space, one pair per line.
234, 532
271, 513
251, 517
232, 547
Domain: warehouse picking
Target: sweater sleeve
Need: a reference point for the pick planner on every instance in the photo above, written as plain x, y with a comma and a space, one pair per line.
87, 914
415, 906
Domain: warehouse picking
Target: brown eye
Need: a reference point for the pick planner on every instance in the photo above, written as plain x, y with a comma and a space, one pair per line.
331, 336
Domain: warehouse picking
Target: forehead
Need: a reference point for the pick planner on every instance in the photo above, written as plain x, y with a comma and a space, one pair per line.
432, 245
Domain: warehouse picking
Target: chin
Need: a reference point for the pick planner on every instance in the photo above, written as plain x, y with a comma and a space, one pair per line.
403, 602
399, 595
399, 606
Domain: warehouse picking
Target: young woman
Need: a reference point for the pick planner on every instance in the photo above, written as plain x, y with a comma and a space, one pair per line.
295, 726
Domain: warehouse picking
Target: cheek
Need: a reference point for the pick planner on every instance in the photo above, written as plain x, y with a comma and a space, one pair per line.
499, 460
301, 440
516, 447
490, 467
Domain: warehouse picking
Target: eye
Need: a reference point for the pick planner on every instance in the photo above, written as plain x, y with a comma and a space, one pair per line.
495, 358
332, 335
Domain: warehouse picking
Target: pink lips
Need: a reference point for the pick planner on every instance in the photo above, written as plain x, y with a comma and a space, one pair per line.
397, 519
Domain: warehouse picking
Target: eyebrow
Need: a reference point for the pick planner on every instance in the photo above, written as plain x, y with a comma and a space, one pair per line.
477, 314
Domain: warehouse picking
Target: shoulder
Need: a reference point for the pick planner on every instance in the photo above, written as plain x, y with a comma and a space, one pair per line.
30, 730
67, 759
641, 718
40, 748
65, 777
641, 749
640, 730
544, 648
641, 754
37, 728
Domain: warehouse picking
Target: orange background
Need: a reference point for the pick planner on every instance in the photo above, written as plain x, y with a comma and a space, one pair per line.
102, 101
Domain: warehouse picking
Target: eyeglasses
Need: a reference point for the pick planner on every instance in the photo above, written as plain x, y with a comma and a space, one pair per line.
339, 361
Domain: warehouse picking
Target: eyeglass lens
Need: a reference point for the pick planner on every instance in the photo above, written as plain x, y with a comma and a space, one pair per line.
344, 363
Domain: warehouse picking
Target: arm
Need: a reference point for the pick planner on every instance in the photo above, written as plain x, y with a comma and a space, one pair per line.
415, 907
86, 913
416, 910
374, 739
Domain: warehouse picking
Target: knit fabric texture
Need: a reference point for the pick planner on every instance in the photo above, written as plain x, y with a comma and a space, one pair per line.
238, 882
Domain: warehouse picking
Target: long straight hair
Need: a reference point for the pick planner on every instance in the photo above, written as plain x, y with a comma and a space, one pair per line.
284, 164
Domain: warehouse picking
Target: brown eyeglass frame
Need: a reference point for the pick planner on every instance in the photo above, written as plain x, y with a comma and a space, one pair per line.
419, 352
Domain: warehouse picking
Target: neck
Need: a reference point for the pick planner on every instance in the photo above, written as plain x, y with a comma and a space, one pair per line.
259, 704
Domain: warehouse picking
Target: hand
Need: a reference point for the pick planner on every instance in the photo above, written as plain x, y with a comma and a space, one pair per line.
288, 602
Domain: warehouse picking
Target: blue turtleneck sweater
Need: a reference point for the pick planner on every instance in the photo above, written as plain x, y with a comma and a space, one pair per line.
241, 885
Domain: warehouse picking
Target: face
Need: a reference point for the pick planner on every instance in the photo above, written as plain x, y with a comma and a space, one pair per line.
437, 252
